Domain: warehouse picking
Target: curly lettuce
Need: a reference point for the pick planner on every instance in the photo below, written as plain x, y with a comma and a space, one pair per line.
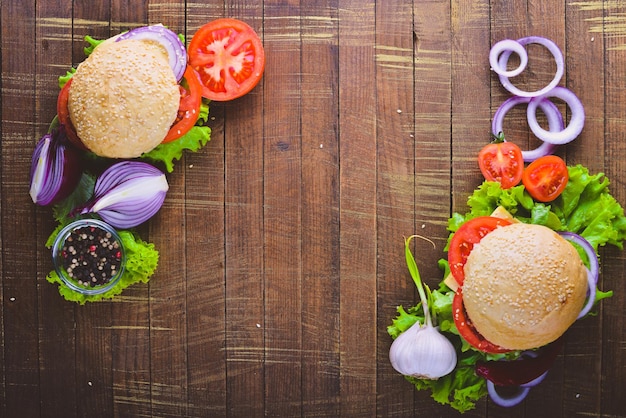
585, 207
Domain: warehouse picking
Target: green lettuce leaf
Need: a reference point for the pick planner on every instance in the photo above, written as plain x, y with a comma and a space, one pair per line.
192, 141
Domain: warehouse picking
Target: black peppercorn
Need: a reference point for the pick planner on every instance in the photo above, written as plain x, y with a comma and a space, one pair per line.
91, 256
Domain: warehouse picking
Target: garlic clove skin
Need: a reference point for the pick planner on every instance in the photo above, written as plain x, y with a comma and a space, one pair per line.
422, 352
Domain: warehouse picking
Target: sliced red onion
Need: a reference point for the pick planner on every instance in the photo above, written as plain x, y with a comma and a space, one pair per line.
591, 296
555, 123
535, 381
508, 45
55, 169
128, 193
592, 272
594, 265
558, 58
175, 49
507, 401
576, 123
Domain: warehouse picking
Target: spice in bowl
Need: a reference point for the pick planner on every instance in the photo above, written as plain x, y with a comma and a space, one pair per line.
88, 256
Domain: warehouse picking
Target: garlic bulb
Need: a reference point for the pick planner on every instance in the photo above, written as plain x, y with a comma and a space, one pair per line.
421, 351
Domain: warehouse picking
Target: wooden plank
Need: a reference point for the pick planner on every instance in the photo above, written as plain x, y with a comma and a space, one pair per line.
205, 235
94, 377
168, 287
20, 337
395, 188
512, 21
282, 209
57, 340
320, 211
282, 239
582, 388
357, 217
432, 98
613, 367
470, 95
432, 77
469, 106
130, 323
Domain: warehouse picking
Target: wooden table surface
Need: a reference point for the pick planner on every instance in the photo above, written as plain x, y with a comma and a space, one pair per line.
281, 241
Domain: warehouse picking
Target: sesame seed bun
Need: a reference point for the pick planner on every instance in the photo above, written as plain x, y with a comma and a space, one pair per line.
124, 98
524, 286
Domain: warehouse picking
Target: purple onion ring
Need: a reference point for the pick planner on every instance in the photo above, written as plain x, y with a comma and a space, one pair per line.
555, 123
508, 45
576, 123
558, 58
507, 401
594, 265
177, 54
592, 272
591, 296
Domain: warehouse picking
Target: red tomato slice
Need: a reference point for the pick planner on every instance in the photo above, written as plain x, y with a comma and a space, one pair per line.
189, 108
63, 113
502, 162
464, 239
545, 178
229, 57
467, 330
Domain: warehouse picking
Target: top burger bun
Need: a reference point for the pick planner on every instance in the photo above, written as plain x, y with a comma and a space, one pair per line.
124, 98
524, 286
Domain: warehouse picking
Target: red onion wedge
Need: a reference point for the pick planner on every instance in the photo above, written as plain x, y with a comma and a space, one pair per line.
508, 45
169, 40
127, 194
558, 58
507, 401
555, 123
576, 123
55, 168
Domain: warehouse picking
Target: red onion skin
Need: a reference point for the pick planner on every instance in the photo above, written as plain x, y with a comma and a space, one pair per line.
521, 371
160, 33
72, 165
73, 162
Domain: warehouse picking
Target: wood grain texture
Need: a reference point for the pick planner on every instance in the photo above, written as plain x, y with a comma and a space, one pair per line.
281, 242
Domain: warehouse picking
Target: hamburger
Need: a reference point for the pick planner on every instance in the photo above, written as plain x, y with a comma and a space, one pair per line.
531, 299
124, 98
518, 274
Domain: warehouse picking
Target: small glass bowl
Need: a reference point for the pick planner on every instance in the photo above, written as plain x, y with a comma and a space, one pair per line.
103, 256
